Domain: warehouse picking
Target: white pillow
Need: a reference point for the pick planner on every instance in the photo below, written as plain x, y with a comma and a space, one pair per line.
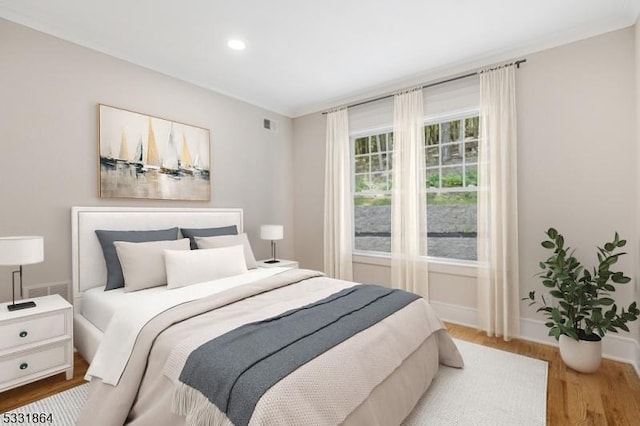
143, 263
229, 240
196, 266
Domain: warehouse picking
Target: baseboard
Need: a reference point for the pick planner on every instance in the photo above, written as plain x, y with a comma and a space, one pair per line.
456, 314
636, 364
614, 347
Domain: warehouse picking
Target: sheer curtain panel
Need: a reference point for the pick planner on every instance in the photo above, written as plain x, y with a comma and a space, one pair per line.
338, 200
498, 288
408, 195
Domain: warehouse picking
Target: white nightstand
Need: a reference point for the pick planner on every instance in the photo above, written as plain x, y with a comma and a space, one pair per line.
36, 342
283, 263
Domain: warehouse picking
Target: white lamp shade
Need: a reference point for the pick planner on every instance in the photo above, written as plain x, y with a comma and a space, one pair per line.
271, 232
21, 250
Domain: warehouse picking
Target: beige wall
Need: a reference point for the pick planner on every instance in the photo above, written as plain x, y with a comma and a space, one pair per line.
577, 151
48, 138
577, 165
637, 72
308, 189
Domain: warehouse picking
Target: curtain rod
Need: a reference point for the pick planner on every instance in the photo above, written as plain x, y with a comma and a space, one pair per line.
449, 80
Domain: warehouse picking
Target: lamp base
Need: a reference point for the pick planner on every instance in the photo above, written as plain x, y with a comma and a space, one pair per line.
23, 305
272, 261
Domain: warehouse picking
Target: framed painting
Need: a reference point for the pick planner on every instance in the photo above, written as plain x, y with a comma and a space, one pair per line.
149, 157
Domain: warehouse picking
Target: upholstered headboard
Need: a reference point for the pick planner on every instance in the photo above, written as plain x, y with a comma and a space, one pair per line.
88, 265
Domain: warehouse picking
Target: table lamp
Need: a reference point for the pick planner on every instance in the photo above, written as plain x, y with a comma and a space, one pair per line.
20, 251
272, 232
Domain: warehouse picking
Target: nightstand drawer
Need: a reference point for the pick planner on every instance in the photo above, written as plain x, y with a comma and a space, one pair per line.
33, 362
15, 334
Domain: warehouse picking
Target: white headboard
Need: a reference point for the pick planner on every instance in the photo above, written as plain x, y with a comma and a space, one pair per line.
88, 266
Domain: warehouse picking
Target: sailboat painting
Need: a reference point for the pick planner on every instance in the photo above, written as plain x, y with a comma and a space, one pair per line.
142, 156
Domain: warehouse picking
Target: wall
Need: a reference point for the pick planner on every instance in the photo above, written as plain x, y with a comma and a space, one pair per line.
577, 170
578, 161
48, 138
308, 189
637, 71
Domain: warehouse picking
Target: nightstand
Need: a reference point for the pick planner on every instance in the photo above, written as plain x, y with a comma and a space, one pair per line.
283, 263
37, 342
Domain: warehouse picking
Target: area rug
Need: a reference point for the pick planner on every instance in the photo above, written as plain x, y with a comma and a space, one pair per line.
495, 388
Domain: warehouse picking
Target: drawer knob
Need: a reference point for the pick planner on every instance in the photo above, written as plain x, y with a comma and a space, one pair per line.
23, 333
23, 366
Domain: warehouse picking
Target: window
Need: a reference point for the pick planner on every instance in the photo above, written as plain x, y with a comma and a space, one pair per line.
451, 157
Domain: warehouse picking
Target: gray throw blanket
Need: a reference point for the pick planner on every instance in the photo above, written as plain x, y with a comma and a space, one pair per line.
234, 370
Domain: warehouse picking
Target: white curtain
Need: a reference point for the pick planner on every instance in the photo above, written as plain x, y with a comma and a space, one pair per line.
498, 289
408, 195
338, 200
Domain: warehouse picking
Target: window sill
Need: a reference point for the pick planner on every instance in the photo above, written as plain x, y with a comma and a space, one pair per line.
463, 268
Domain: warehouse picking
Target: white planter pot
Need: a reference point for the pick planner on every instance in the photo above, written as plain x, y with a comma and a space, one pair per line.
581, 355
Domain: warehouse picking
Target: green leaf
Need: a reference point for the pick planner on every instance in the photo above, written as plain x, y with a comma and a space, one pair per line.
572, 333
566, 305
557, 294
609, 247
606, 301
548, 283
552, 233
620, 280
548, 244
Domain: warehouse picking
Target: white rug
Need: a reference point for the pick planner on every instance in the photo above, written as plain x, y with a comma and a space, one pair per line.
495, 388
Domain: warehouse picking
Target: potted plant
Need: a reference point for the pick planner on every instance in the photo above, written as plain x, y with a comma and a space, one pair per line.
584, 311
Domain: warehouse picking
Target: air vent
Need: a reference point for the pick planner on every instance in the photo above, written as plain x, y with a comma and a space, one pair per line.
270, 125
39, 290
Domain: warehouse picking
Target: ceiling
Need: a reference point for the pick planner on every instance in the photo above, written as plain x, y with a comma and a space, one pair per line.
306, 55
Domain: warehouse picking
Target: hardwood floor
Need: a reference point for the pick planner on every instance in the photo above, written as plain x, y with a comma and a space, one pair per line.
610, 397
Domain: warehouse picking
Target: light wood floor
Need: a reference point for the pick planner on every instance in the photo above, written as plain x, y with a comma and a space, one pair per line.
610, 397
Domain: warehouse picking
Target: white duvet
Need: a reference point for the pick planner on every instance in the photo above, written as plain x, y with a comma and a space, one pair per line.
115, 348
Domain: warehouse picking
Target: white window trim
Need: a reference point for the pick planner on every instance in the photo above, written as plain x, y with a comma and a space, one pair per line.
459, 267
462, 267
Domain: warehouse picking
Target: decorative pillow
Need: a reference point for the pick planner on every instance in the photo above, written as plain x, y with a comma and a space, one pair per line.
106, 238
227, 241
190, 233
143, 263
196, 266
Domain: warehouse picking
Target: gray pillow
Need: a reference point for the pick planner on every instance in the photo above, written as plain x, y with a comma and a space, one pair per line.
115, 279
191, 233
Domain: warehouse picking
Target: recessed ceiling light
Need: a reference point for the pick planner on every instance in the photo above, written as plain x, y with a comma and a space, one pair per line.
236, 44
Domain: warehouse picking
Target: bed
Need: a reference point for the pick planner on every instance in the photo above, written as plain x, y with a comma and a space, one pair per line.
266, 346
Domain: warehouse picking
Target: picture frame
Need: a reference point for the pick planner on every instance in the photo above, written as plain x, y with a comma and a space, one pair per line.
148, 157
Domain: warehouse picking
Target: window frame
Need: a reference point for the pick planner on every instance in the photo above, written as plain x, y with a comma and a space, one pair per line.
359, 255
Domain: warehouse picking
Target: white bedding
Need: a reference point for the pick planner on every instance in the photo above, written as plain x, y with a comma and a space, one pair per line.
98, 306
124, 316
